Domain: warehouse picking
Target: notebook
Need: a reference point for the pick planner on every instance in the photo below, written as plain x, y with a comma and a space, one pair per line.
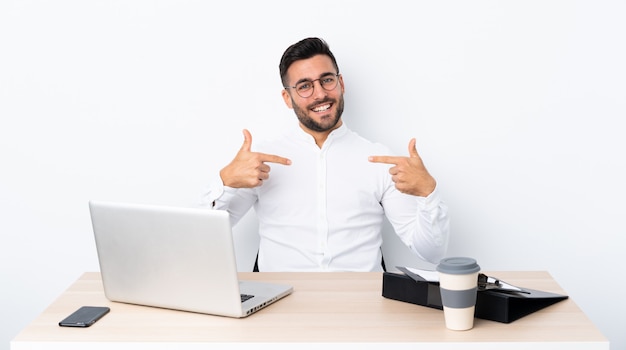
175, 258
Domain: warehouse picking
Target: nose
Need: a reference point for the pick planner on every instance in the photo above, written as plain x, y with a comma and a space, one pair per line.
318, 91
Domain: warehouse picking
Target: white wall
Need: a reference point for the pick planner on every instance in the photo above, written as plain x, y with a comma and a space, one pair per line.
517, 107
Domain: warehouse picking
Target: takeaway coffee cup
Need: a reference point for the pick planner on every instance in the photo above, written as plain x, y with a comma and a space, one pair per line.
458, 282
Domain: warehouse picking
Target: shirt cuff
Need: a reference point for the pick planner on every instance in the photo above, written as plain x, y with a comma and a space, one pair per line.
431, 201
213, 191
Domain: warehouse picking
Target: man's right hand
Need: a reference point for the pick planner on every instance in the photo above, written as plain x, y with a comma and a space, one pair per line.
248, 169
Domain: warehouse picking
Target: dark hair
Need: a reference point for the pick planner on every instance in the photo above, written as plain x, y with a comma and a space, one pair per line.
301, 50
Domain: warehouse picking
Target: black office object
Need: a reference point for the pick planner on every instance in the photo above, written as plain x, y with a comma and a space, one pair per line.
493, 305
85, 316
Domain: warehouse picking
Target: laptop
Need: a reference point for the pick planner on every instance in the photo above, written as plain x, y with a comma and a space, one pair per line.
175, 258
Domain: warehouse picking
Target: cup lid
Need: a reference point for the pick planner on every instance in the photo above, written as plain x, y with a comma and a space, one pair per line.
458, 266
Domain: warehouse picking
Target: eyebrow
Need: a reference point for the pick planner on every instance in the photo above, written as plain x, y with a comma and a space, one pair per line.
321, 76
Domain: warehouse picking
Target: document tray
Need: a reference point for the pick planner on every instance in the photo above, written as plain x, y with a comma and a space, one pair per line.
504, 307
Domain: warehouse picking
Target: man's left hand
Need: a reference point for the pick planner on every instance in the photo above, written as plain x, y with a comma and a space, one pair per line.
409, 173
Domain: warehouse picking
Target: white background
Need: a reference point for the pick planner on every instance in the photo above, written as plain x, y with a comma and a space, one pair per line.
517, 107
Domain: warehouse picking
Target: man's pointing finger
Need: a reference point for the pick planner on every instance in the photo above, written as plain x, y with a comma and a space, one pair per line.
384, 159
271, 158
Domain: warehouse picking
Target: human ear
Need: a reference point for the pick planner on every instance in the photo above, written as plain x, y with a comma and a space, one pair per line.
287, 99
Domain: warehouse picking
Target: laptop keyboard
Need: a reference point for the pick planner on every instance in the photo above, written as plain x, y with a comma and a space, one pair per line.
245, 297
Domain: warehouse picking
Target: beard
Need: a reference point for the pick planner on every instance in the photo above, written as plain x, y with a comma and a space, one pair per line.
326, 123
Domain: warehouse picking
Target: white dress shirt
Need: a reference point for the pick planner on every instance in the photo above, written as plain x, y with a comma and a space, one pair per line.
324, 212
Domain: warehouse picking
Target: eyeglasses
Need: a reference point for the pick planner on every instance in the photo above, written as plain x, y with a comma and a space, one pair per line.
305, 88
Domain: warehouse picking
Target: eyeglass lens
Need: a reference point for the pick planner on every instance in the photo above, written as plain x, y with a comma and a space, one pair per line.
305, 88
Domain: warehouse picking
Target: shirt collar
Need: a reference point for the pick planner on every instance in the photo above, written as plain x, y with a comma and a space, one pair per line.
303, 135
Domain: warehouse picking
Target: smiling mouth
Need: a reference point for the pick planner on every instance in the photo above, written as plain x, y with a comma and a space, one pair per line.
322, 108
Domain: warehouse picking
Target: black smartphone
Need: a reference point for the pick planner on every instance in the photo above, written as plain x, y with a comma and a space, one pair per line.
85, 316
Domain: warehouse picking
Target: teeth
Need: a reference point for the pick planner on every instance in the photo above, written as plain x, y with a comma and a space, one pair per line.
321, 108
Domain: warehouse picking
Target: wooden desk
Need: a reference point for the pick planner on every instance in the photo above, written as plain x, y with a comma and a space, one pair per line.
343, 308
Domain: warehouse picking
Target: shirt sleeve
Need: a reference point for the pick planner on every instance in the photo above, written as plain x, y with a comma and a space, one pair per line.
237, 201
212, 192
422, 223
